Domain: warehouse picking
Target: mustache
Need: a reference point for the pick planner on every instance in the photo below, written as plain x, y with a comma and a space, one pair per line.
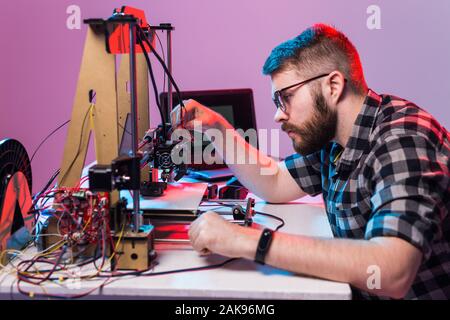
290, 127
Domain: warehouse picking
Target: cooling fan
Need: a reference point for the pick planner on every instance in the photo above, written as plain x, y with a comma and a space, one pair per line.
15, 196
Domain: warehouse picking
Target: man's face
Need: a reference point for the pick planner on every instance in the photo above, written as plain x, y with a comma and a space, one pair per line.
308, 119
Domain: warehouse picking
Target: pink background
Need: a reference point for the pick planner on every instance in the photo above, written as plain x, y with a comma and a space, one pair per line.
217, 44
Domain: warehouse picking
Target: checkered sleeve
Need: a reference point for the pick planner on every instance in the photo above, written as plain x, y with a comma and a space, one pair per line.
306, 172
409, 186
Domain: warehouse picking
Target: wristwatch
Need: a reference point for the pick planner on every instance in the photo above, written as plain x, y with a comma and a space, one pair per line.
263, 246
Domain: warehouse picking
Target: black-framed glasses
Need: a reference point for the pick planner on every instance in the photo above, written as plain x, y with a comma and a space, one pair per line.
278, 98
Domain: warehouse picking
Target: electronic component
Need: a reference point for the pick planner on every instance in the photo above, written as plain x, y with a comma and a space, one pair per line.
233, 192
158, 151
211, 192
81, 215
153, 189
79, 218
122, 174
100, 178
242, 216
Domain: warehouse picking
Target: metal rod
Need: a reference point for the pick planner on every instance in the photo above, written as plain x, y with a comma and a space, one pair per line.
170, 178
134, 121
224, 201
169, 67
173, 240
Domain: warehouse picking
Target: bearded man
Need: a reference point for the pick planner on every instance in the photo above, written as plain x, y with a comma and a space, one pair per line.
380, 162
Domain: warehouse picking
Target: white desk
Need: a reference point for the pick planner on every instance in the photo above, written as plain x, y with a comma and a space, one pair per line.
240, 279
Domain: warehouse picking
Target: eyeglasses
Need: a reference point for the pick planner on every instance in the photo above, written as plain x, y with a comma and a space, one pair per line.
278, 98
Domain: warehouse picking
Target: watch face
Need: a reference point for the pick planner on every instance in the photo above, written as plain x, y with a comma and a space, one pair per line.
265, 239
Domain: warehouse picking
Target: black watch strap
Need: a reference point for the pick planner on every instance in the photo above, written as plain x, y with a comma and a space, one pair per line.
263, 245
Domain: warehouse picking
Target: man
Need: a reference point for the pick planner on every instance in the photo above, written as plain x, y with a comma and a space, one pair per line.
380, 162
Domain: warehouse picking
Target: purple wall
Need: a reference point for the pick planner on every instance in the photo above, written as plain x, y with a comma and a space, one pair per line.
217, 44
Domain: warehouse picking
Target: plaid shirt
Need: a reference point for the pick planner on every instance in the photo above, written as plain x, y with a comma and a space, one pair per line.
392, 179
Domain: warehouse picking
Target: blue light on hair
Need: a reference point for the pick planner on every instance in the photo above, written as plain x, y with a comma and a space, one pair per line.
288, 49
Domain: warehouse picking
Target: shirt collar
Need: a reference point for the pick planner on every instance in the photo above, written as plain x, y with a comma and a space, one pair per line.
359, 138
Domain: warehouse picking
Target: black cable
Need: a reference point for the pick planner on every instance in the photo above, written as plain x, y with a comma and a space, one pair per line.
50, 181
281, 225
208, 267
155, 89
139, 272
143, 274
50, 134
136, 273
57, 171
163, 56
169, 75
64, 266
47, 277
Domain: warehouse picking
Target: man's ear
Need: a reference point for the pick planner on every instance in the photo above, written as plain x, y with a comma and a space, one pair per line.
335, 85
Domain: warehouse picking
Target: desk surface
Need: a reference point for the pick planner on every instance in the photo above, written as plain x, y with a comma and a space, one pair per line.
240, 279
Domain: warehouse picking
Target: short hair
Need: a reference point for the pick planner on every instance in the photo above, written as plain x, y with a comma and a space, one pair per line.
320, 48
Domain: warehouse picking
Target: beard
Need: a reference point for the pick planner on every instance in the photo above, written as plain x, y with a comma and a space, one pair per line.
317, 131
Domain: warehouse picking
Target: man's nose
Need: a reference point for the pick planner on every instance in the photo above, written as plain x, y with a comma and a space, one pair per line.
280, 116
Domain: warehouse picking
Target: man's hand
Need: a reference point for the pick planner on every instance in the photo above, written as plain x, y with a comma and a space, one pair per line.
195, 111
261, 174
210, 233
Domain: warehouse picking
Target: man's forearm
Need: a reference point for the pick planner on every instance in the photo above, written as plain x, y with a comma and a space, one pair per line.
343, 260
257, 171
